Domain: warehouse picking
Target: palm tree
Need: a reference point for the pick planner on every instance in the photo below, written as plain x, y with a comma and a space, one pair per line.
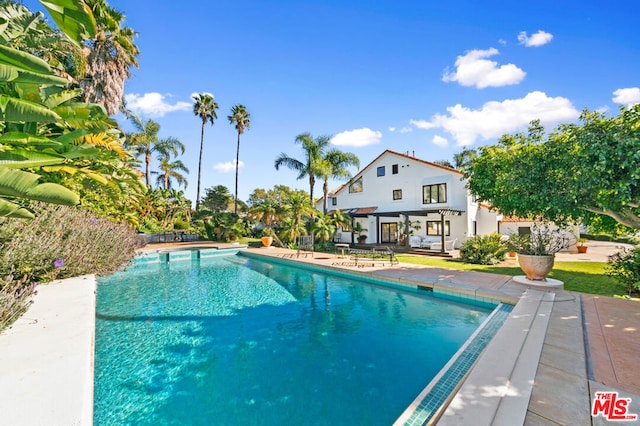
241, 117
295, 208
171, 170
322, 227
145, 142
110, 55
314, 151
204, 107
334, 165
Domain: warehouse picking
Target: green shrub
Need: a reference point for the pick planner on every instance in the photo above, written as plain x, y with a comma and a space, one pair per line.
624, 266
483, 250
63, 242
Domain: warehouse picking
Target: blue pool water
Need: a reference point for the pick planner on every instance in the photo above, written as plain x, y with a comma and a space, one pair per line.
232, 340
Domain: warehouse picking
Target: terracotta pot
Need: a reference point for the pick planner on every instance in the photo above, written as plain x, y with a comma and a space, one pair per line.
536, 268
582, 249
266, 241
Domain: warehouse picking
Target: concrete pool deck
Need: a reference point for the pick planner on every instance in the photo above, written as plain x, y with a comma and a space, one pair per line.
556, 350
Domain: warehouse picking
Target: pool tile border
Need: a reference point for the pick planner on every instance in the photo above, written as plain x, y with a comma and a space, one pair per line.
441, 389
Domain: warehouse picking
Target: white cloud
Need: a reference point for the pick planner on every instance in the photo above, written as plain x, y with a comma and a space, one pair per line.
497, 118
629, 96
228, 167
536, 40
357, 138
440, 141
406, 130
392, 129
153, 104
473, 69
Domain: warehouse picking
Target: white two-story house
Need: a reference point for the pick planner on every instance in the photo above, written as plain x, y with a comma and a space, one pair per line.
397, 191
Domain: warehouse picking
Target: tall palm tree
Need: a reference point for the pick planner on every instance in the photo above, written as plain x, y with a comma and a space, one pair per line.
241, 117
312, 166
334, 165
204, 107
145, 142
110, 55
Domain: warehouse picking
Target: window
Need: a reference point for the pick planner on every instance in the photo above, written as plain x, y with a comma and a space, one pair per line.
432, 194
397, 194
356, 186
434, 227
524, 230
394, 169
334, 201
380, 171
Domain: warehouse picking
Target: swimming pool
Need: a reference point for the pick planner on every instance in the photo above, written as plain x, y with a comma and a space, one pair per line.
236, 340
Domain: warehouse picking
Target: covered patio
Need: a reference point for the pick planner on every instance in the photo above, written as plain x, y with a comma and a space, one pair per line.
400, 234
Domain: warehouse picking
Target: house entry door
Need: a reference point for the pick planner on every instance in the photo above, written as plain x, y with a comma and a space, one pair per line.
389, 233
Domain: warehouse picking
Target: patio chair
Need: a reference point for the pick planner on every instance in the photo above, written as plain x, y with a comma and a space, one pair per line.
305, 245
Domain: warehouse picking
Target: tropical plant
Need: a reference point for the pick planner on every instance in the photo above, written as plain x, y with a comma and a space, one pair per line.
73, 17
29, 32
483, 250
109, 55
312, 165
205, 108
265, 212
44, 130
341, 220
225, 226
242, 119
335, 164
322, 227
293, 211
170, 170
145, 142
624, 266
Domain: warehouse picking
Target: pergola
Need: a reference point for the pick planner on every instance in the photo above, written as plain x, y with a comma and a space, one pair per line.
373, 211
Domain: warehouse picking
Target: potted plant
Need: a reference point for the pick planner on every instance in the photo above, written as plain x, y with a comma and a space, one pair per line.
536, 251
581, 247
358, 230
267, 237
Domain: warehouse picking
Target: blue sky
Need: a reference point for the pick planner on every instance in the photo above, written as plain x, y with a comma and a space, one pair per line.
410, 76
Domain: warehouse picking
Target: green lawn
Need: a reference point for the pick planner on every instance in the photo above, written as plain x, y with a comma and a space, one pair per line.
585, 277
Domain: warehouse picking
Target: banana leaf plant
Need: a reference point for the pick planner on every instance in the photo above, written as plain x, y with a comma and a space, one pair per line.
43, 130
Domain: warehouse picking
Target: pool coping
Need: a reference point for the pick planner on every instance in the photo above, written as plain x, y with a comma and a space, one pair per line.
46, 361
